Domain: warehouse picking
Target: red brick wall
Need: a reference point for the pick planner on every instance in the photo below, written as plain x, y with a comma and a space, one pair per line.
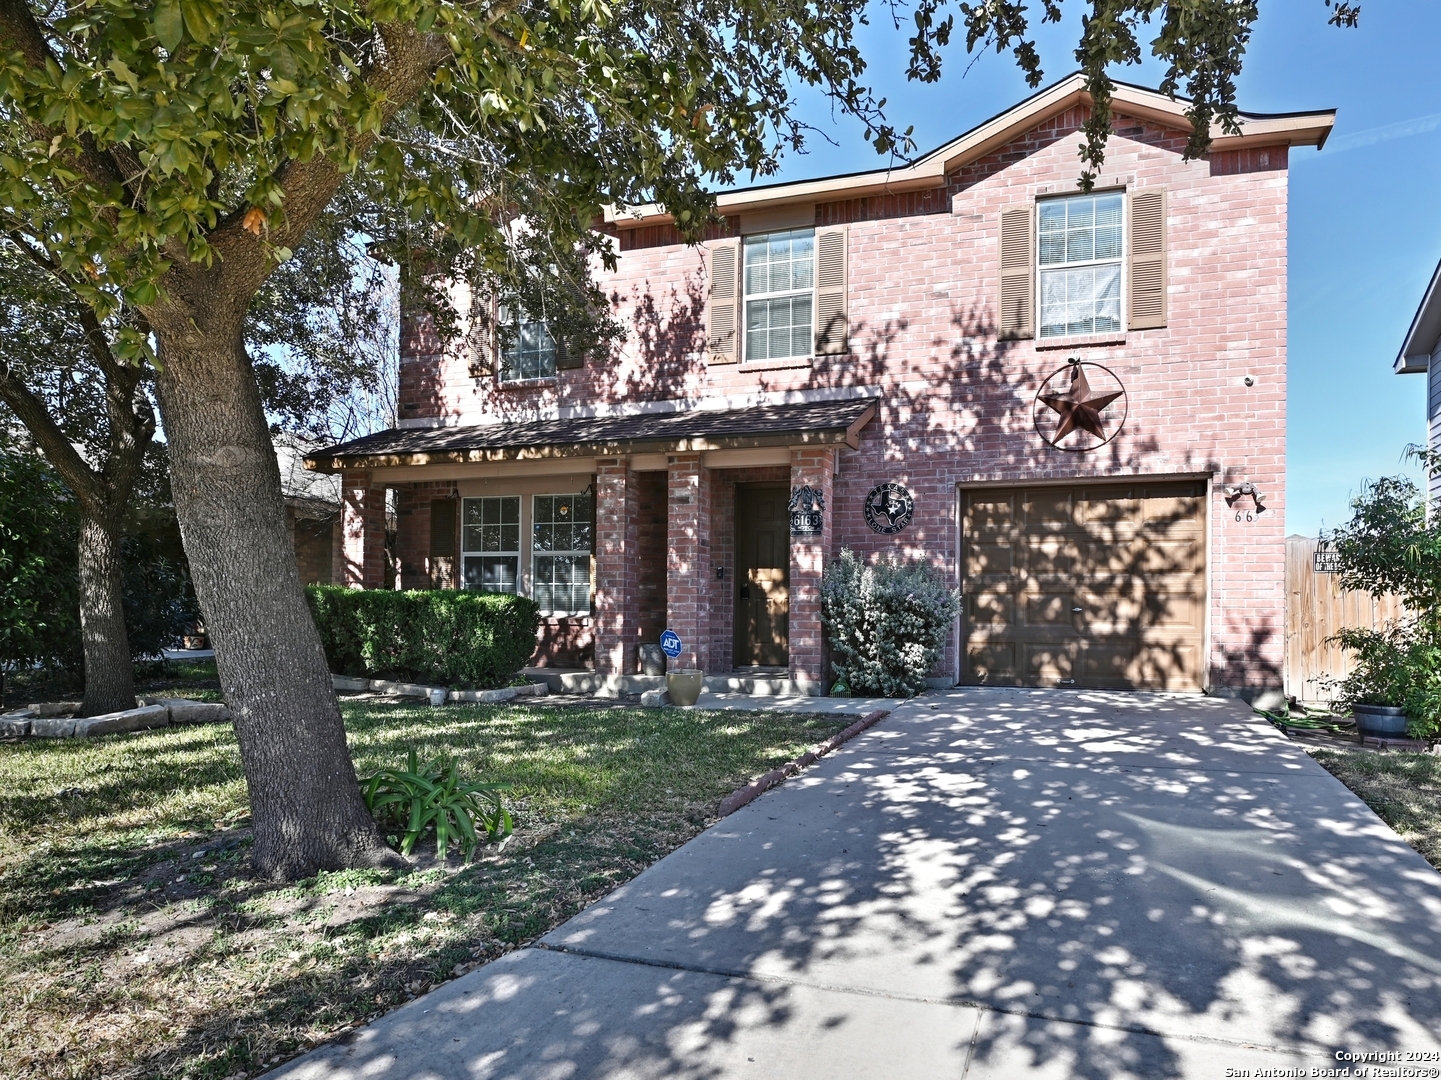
314, 544
417, 569
955, 403
362, 531
689, 571
814, 469
617, 571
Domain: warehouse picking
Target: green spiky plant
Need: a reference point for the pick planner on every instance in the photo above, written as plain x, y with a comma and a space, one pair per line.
413, 801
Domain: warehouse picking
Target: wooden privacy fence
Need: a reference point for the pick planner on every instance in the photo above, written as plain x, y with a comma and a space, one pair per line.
1316, 607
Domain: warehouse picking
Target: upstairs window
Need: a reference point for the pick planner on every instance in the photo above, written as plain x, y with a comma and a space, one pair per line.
779, 284
561, 547
530, 353
1081, 248
490, 544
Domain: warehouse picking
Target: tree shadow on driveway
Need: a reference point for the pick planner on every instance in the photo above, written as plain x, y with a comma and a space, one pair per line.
1084, 884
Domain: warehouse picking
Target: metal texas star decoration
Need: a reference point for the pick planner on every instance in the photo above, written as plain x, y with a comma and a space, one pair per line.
1080, 407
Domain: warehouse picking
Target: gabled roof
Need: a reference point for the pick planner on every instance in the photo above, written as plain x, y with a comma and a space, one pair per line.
819, 423
929, 170
1425, 331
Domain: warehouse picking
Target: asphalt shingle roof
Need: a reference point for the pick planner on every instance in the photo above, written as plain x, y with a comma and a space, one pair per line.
818, 422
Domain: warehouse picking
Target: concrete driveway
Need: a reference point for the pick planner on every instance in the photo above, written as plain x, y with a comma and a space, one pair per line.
990, 883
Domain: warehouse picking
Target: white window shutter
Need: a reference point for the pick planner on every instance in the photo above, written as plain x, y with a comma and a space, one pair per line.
1017, 313
1146, 271
723, 310
832, 318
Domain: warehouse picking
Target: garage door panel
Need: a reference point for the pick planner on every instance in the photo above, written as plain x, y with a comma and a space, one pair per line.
1048, 664
984, 558
1047, 511
988, 607
993, 662
1108, 663
1186, 556
1131, 557
992, 515
1166, 665
1047, 609
1094, 508
1052, 556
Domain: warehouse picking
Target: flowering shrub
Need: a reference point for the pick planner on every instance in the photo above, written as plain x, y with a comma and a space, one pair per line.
886, 623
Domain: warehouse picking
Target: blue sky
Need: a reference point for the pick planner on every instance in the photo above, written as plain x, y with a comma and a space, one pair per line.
1365, 212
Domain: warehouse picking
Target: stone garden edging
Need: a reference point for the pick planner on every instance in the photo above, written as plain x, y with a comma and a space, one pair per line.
46, 720
418, 690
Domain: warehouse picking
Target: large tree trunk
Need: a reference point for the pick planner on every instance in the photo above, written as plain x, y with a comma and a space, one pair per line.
305, 802
109, 677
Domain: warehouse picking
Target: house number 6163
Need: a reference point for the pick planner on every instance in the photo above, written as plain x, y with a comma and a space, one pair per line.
1245, 515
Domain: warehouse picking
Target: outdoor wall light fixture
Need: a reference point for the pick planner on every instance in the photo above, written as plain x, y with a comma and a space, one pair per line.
720, 573
1234, 492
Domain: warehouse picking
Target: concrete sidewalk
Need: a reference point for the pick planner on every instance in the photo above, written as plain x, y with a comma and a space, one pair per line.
990, 883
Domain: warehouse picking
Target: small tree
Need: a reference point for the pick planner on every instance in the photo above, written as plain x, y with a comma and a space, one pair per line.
1389, 546
887, 623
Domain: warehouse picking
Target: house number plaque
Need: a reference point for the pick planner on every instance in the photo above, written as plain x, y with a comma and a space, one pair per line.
806, 506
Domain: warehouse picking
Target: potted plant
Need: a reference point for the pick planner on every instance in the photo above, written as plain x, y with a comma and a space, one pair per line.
1391, 545
1391, 669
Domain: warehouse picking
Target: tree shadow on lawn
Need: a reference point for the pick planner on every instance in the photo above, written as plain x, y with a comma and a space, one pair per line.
214, 972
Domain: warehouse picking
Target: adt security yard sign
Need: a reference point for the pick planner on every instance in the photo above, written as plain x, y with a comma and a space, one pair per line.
670, 644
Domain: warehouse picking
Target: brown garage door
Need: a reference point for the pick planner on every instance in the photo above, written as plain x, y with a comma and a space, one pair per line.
1099, 586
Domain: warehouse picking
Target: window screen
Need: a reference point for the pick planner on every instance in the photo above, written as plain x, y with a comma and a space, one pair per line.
530, 353
779, 294
1080, 245
561, 546
490, 543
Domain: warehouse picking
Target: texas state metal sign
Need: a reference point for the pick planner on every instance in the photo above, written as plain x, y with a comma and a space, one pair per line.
889, 508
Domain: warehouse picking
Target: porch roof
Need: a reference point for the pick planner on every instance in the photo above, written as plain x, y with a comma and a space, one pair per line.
812, 423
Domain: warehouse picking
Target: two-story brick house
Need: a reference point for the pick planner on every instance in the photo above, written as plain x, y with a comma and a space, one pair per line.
901, 343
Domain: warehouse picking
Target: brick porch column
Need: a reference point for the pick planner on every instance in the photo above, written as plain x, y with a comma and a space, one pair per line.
362, 529
688, 558
814, 468
617, 567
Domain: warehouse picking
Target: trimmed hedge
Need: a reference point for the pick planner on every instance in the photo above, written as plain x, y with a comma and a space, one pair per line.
458, 639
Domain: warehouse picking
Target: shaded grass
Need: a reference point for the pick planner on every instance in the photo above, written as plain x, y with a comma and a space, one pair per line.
1403, 788
135, 942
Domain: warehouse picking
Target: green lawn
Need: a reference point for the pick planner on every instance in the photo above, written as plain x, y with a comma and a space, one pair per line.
135, 943
1404, 789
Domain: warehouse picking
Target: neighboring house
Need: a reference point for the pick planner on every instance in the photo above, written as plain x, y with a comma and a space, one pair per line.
1421, 354
312, 512
898, 342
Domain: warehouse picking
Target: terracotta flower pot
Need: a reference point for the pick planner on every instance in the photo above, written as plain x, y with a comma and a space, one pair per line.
684, 685
1380, 719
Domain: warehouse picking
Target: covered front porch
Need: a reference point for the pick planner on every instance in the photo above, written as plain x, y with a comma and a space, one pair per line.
619, 527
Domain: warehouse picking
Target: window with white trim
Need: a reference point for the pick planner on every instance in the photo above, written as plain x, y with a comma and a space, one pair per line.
1081, 241
560, 552
779, 294
490, 543
530, 353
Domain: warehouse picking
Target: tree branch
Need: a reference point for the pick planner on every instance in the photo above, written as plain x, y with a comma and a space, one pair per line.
85, 482
408, 60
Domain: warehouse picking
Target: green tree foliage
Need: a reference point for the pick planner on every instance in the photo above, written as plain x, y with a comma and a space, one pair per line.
886, 623
39, 612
